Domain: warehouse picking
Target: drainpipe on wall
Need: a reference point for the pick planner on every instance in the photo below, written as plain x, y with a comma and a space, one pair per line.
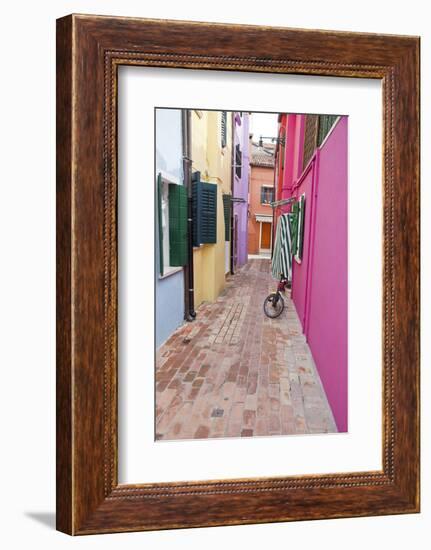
189, 295
274, 219
276, 176
232, 188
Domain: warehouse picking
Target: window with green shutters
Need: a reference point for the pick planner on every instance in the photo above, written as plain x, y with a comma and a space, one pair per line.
296, 219
177, 225
204, 211
172, 228
227, 211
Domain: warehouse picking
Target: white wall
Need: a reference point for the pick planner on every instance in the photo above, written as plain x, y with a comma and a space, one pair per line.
27, 407
169, 152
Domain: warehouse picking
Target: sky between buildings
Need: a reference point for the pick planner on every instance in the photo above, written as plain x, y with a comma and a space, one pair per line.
263, 124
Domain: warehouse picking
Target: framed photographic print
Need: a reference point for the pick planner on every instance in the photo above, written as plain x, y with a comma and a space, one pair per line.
237, 274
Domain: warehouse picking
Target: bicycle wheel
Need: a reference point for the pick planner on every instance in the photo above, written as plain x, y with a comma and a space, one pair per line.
273, 305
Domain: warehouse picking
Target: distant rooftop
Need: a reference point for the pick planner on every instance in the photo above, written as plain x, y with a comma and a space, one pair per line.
262, 156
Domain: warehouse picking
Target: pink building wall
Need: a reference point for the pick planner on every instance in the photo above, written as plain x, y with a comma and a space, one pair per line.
288, 165
319, 282
326, 326
294, 131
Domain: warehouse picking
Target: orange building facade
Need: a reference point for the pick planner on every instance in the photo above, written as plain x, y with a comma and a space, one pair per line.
261, 194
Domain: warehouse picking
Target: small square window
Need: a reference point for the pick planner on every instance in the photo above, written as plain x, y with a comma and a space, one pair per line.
266, 194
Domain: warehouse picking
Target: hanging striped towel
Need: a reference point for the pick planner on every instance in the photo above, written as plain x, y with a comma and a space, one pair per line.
282, 256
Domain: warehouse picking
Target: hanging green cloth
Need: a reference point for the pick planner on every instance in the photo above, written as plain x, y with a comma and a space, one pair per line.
282, 256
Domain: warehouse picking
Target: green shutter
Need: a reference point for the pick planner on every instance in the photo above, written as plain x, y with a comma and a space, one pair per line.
177, 225
301, 225
238, 161
310, 138
223, 129
208, 213
227, 206
195, 218
325, 124
159, 215
204, 211
293, 221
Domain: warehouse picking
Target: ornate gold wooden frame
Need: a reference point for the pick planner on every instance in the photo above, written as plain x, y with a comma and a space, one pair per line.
89, 51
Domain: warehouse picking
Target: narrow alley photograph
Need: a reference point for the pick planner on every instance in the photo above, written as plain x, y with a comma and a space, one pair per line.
251, 271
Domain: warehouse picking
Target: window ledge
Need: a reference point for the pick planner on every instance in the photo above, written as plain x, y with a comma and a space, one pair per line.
172, 272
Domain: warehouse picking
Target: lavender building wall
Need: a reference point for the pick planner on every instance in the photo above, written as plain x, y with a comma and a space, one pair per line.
240, 188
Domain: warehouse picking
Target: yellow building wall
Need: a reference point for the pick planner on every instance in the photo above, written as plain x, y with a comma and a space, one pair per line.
215, 165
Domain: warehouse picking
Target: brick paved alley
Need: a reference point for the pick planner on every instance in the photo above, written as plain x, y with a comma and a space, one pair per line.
233, 372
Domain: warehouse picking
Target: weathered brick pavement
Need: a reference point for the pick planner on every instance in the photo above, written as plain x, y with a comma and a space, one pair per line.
233, 372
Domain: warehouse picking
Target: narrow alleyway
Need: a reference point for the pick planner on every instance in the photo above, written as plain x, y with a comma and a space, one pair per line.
234, 372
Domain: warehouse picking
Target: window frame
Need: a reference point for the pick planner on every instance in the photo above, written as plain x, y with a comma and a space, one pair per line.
166, 179
266, 186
